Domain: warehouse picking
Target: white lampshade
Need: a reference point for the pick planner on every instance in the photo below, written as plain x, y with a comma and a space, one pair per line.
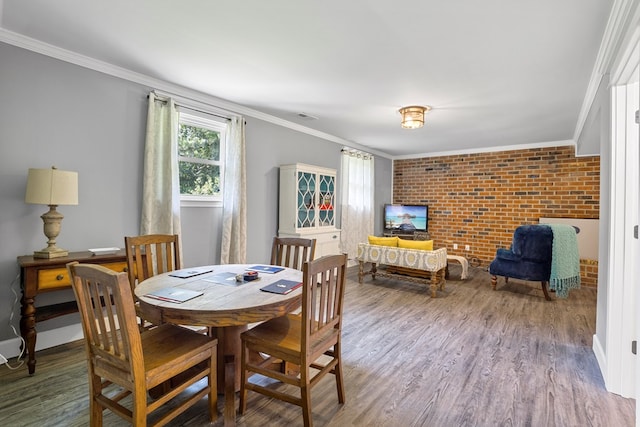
52, 187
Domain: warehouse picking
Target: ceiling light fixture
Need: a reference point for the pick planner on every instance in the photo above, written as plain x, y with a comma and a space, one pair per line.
413, 116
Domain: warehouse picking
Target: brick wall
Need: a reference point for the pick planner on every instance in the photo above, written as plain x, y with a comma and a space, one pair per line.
479, 199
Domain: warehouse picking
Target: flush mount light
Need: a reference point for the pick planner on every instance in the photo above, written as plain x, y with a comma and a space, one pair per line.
413, 116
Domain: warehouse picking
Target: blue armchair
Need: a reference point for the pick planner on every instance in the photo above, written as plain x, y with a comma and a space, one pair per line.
529, 257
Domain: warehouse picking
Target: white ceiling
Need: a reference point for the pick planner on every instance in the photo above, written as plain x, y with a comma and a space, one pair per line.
497, 73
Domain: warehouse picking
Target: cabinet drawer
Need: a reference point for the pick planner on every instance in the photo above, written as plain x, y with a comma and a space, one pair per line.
53, 278
118, 267
326, 238
56, 278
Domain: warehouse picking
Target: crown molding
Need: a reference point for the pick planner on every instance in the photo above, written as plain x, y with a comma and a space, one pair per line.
624, 13
563, 143
185, 94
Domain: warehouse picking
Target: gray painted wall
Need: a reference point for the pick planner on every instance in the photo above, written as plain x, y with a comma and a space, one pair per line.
56, 113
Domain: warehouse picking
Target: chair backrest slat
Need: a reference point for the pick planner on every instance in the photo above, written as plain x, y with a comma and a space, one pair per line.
105, 315
292, 252
322, 299
108, 316
150, 255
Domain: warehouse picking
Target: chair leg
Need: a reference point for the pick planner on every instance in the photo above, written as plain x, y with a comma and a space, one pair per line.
96, 410
546, 293
494, 282
139, 407
213, 388
306, 405
305, 395
338, 373
243, 379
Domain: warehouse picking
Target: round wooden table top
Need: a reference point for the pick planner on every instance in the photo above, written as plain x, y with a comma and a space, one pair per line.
229, 303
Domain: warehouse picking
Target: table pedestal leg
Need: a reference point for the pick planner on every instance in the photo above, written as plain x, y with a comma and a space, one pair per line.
229, 344
229, 412
228, 367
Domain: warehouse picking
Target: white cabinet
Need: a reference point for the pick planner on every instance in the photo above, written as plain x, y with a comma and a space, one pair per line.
307, 206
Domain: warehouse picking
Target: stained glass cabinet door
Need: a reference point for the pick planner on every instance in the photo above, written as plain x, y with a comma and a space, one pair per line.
307, 199
326, 200
308, 206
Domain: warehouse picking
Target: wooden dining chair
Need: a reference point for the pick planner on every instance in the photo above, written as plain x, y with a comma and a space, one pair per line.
149, 255
292, 252
135, 362
301, 339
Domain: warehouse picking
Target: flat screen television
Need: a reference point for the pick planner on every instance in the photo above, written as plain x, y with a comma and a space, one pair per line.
406, 218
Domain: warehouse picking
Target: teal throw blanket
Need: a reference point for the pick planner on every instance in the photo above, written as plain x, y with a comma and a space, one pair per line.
565, 260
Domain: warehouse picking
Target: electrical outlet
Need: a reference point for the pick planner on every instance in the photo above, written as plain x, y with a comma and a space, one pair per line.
467, 247
3, 360
455, 246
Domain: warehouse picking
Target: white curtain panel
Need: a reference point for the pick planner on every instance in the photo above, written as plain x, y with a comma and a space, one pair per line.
357, 191
234, 211
160, 183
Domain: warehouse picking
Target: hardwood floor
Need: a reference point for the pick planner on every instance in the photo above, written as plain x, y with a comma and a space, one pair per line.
471, 357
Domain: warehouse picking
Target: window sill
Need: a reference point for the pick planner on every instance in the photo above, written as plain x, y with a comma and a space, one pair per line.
200, 203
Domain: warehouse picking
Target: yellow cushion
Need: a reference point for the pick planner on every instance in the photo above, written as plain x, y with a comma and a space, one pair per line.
383, 241
425, 245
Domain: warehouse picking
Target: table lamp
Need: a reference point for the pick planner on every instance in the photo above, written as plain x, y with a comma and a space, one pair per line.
52, 187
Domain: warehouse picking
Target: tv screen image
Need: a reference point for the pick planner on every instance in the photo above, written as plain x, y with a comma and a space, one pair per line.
407, 218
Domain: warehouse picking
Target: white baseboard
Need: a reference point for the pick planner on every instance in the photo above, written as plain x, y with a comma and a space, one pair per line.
10, 348
58, 336
46, 339
601, 358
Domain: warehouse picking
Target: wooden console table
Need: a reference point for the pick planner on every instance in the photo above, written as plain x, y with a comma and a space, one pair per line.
39, 275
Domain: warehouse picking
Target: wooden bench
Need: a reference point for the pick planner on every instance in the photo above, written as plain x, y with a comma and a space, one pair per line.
413, 265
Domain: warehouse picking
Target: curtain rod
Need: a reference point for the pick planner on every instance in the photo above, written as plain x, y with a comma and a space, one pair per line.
353, 151
204, 112
164, 101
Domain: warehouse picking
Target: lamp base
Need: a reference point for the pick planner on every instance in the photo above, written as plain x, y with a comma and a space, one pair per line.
51, 253
52, 222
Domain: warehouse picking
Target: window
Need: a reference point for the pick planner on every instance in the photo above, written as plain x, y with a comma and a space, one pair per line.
200, 150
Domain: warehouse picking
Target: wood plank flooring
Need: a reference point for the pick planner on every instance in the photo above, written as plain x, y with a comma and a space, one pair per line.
471, 357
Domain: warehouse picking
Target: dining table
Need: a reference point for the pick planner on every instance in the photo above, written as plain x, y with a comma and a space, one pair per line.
229, 299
